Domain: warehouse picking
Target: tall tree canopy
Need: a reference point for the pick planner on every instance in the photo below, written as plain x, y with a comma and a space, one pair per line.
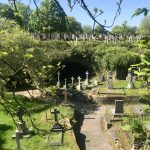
21, 17
49, 18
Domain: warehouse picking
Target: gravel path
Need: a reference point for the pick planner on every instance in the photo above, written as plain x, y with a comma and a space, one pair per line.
94, 136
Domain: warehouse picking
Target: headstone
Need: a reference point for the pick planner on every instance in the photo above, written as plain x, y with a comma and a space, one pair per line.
86, 83
131, 79
79, 84
58, 82
109, 80
76, 40
65, 102
119, 107
72, 83
95, 82
65, 85
138, 110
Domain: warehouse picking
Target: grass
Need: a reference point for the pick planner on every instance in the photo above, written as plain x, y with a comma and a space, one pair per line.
38, 111
120, 86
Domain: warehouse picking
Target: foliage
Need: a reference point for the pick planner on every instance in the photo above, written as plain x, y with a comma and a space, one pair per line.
143, 71
48, 19
124, 29
117, 59
21, 17
99, 30
144, 27
137, 129
73, 25
140, 11
87, 29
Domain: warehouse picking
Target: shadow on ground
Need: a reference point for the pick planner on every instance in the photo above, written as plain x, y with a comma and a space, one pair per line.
80, 138
3, 129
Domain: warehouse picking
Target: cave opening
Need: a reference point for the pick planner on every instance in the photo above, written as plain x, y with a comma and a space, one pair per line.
75, 68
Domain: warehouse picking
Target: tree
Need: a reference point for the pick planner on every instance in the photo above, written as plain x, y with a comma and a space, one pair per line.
87, 29
84, 6
48, 19
21, 17
73, 25
24, 13
124, 29
99, 30
6, 12
144, 27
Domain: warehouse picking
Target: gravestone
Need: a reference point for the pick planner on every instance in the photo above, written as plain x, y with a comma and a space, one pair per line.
109, 80
72, 83
58, 82
131, 79
95, 82
65, 102
65, 85
21, 125
86, 82
57, 128
138, 110
79, 84
119, 107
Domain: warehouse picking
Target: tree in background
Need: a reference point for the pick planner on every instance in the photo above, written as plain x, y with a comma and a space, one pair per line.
73, 25
87, 29
21, 17
99, 30
144, 27
124, 29
48, 19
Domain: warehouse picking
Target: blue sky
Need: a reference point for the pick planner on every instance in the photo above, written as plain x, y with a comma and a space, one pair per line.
108, 6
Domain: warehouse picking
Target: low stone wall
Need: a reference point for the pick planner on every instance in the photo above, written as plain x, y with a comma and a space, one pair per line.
110, 99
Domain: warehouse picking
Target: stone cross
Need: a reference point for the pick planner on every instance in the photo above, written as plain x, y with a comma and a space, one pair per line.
55, 112
72, 79
79, 85
72, 82
58, 82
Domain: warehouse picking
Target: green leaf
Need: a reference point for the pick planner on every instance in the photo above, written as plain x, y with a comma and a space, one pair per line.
28, 56
139, 11
3, 54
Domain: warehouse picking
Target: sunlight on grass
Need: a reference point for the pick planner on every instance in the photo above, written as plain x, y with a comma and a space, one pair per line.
38, 141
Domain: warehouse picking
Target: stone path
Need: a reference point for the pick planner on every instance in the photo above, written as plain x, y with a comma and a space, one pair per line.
94, 136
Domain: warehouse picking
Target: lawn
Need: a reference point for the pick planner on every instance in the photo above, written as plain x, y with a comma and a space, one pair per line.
38, 111
120, 86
